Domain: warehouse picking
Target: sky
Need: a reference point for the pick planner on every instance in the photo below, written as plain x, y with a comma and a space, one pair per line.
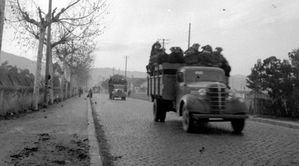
247, 30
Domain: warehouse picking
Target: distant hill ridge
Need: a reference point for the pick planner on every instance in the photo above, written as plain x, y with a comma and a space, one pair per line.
237, 82
99, 74
20, 62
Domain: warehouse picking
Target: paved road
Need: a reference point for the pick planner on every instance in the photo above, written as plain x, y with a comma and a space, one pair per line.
135, 139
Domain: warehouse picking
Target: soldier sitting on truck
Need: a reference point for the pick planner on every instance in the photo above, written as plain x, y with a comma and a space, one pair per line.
176, 55
155, 53
221, 62
205, 56
162, 57
191, 54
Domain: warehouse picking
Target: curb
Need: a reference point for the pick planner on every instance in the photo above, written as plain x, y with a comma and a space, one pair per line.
292, 125
94, 152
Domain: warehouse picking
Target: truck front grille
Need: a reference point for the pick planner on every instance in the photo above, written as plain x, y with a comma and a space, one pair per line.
217, 97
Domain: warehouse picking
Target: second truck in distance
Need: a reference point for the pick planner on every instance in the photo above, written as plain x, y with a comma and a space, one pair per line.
117, 87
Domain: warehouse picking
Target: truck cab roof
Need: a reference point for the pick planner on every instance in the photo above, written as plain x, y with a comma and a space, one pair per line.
202, 68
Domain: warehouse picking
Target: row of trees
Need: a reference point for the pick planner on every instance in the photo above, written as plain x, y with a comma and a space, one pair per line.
71, 33
279, 79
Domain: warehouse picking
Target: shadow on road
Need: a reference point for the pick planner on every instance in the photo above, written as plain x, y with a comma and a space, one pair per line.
207, 129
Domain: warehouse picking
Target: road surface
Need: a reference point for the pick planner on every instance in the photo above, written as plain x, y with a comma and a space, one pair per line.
134, 139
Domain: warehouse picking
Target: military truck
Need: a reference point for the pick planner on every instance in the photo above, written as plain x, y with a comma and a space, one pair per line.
197, 93
117, 87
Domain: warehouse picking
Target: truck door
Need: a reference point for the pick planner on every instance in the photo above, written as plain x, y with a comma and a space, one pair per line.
180, 88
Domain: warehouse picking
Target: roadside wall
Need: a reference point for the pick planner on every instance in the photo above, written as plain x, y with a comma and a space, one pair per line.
18, 99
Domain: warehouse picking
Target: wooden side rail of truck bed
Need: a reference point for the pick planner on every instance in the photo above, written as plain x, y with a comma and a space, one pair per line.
161, 83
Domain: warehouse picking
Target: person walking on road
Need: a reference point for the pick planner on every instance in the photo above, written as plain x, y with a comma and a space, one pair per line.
80, 91
89, 93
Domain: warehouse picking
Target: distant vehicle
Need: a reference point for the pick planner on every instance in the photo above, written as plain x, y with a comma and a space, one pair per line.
117, 87
118, 93
196, 93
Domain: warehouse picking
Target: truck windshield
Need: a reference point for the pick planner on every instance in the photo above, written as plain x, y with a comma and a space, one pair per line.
119, 86
192, 76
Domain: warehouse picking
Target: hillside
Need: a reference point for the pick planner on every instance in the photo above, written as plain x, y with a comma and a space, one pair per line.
20, 62
237, 82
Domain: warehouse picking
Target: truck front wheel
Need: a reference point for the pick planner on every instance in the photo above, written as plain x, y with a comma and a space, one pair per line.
238, 125
188, 121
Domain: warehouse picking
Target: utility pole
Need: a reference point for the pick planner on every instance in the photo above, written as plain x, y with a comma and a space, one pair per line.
164, 42
189, 34
2, 9
126, 67
48, 76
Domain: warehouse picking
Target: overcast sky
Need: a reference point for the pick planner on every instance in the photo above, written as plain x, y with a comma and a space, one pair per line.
247, 30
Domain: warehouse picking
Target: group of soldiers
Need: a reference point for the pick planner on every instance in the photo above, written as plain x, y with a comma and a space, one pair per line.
192, 56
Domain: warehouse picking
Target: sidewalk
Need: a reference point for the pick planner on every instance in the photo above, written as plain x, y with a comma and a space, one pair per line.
54, 136
284, 123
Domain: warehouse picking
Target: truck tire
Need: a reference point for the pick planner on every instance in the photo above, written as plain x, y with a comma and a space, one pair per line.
155, 111
162, 115
187, 121
238, 125
158, 111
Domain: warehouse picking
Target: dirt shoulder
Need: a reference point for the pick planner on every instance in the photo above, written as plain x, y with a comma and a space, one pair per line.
53, 136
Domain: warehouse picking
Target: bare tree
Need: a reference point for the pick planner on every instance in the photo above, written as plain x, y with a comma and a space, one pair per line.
77, 57
74, 24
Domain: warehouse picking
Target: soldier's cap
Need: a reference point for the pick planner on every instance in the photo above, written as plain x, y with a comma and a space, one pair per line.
219, 49
196, 44
157, 43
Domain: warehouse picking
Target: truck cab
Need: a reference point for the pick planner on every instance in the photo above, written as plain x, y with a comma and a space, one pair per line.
196, 81
197, 93
117, 87
118, 93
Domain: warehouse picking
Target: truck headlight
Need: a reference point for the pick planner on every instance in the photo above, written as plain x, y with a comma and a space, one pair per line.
202, 92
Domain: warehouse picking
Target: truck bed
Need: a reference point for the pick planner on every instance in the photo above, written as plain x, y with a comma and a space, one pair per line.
162, 83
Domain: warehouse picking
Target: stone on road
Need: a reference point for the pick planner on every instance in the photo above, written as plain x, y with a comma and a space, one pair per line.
134, 139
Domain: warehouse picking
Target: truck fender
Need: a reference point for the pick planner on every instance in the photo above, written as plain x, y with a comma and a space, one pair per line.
193, 104
236, 106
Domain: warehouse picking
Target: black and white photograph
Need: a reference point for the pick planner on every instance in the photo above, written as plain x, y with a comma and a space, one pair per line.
149, 83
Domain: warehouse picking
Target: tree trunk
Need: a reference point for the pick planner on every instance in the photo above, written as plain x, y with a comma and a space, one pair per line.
37, 77
71, 85
49, 82
61, 87
2, 9
64, 80
51, 85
